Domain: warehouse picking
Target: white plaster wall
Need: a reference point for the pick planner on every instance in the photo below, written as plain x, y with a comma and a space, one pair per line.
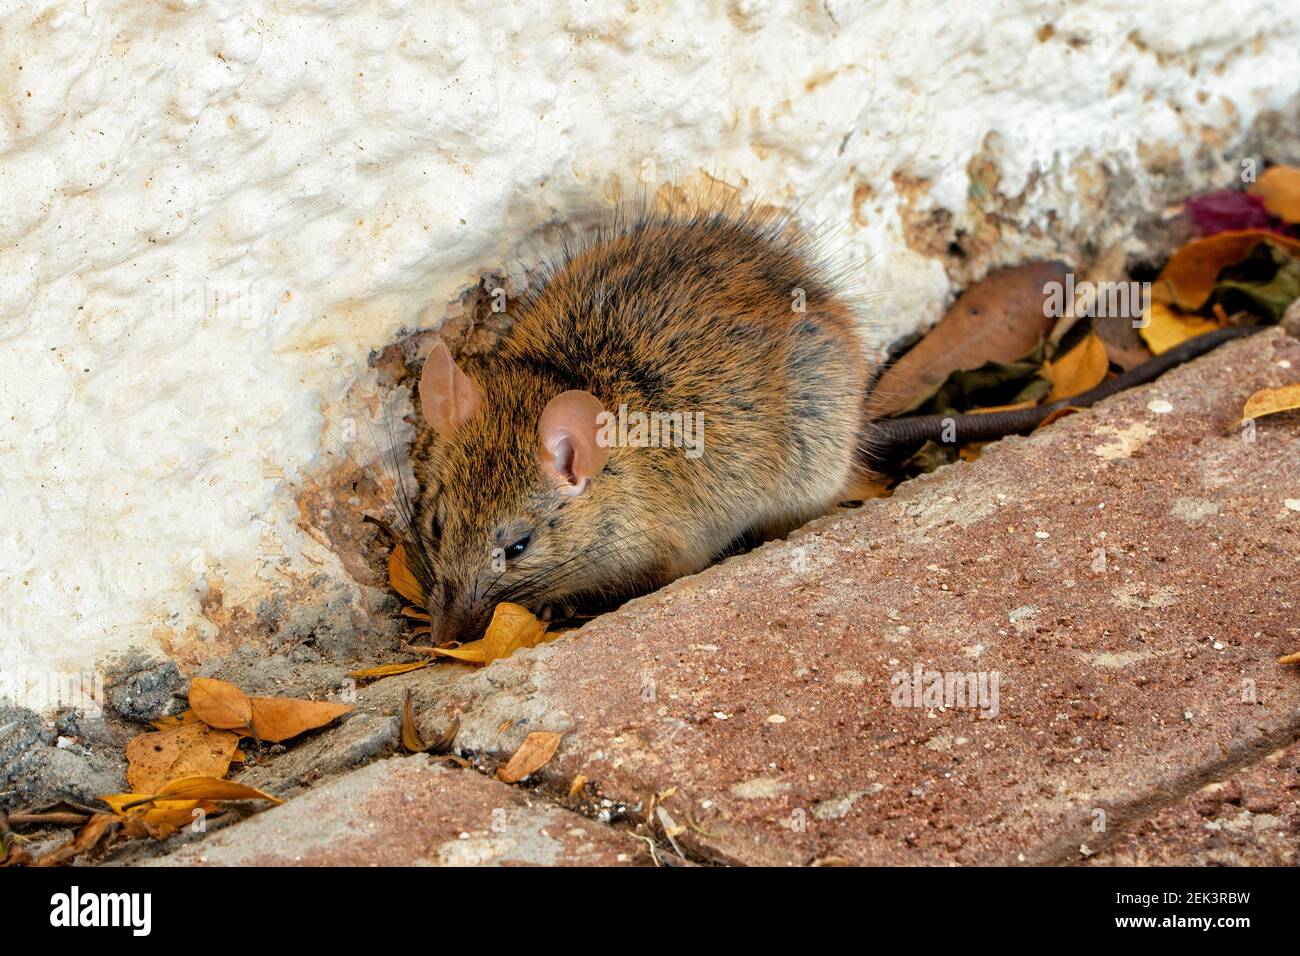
324, 170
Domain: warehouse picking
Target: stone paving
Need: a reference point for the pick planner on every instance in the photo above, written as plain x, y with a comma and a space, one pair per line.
1064, 652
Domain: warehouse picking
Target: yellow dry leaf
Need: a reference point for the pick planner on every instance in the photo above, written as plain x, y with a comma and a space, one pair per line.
1078, 370
512, 627
472, 653
576, 786
1165, 328
1270, 401
160, 818
533, 754
279, 718
1014, 407
1059, 413
194, 748
211, 788
174, 721
220, 704
401, 578
1279, 187
388, 670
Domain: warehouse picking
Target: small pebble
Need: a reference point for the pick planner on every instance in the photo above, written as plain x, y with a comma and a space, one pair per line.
1159, 406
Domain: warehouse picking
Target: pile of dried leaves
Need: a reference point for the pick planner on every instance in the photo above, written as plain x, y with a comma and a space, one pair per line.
1005, 345
176, 772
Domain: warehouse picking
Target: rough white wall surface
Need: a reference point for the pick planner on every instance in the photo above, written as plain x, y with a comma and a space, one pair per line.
211, 212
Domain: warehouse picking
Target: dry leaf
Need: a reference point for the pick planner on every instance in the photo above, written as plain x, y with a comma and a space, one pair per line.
97, 829
410, 735
401, 578
388, 670
176, 720
536, 750
1078, 370
1059, 413
1164, 328
512, 627
1000, 319
219, 704
279, 718
211, 788
1190, 275
1013, 407
159, 818
1289, 658
1106, 269
1279, 187
195, 748
576, 786
1270, 401
1124, 347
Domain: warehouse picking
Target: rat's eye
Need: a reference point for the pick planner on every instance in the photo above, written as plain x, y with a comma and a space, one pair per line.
513, 551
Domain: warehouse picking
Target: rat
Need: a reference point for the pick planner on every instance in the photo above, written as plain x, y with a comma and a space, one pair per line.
539, 482
537, 487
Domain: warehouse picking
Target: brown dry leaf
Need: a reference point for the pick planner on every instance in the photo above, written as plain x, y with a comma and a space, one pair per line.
388, 670
1289, 658
401, 578
1107, 268
279, 718
211, 788
1270, 401
972, 451
576, 786
220, 704
95, 830
1124, 346
533, 754
1078, 370
1279, 187
1000, 319
195, 748
1190, 275
410, 735
1164, 328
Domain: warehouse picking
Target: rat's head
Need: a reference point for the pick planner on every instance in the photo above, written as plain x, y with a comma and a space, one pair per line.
513, 505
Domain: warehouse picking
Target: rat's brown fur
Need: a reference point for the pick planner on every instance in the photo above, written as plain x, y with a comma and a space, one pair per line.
660, 315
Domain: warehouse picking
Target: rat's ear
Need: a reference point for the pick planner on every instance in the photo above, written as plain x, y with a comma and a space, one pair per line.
567, 430
448, 397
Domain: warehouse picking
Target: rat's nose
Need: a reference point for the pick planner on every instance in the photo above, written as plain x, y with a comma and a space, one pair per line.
462, 620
